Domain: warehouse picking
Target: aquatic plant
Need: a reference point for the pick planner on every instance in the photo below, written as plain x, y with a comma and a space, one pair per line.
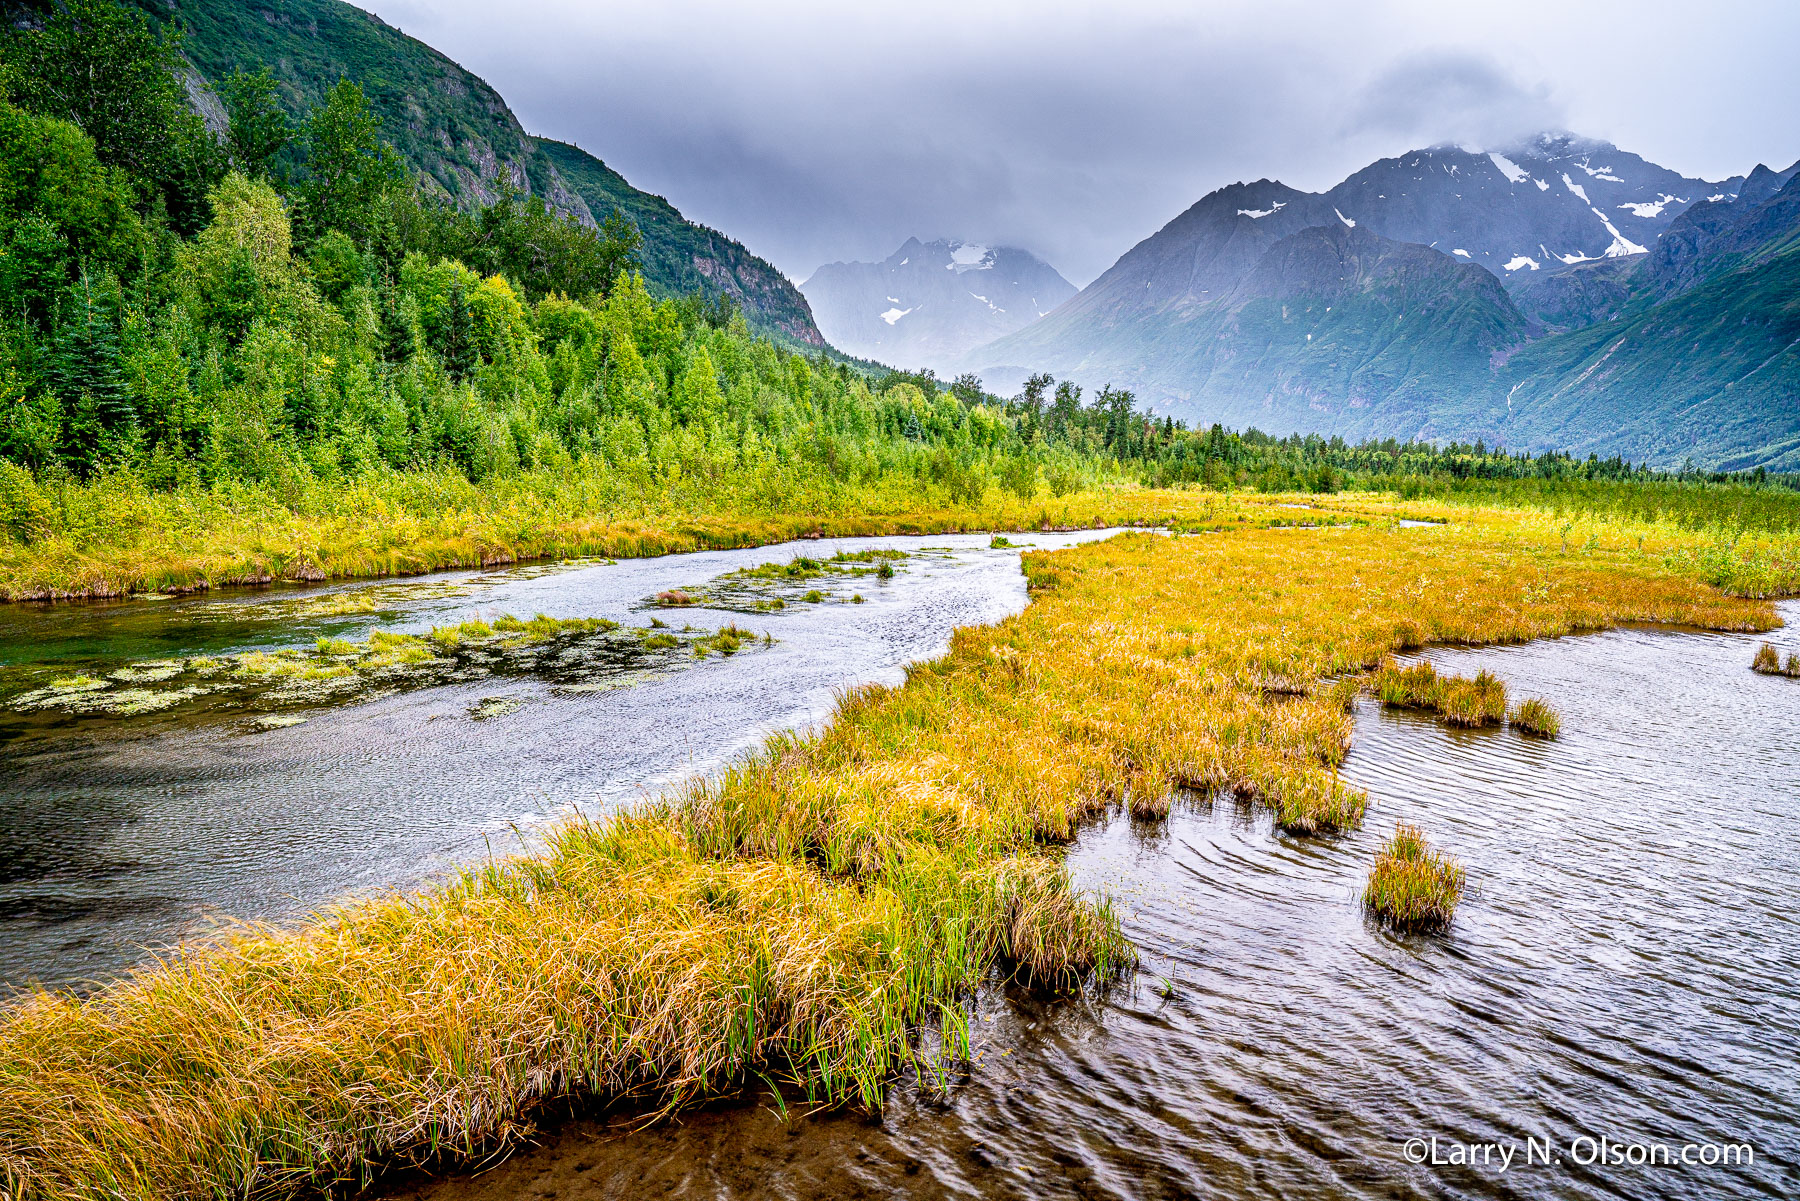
1767, 661
808, 911
1411, 885
814, 597
1457, 701
1536, 718
1150, 804
338, 671
674, 598
1000, 542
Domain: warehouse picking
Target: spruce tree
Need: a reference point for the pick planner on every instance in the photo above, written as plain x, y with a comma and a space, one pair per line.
397, 344
86, 376
458, 350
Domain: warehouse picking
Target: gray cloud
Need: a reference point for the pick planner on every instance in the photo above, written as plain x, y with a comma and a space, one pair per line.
1453, 96
818, 131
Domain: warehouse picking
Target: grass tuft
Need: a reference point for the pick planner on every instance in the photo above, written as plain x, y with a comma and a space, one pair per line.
1536, 719
1412, 886
1457, 701
1768, 662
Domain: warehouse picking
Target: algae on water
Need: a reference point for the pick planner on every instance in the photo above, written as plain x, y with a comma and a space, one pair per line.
576, 655
773, 587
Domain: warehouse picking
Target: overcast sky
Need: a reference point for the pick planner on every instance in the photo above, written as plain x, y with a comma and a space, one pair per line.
835, 130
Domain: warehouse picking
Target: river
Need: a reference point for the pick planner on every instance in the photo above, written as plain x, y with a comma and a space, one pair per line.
117, 835
1622, 970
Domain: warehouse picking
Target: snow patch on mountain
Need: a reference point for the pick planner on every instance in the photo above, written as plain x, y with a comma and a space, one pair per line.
1348, 224
1513, 172
1577, 189
1648, 209
1259, 214
968, 256
1599, 172
1621, 245
1520, 261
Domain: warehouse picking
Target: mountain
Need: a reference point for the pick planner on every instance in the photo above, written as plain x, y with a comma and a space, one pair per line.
1554, 199
929, 303
1701, 360
1448, 293
457, 132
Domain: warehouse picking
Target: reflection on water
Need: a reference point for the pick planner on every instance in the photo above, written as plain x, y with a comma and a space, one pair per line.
1624, 969
118, 834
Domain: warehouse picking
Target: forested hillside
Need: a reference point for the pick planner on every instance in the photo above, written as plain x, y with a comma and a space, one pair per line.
458, 134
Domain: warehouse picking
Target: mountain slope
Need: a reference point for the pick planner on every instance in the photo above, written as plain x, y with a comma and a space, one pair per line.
1703, 362
930, 302
457, 132
1595, 342
680, 255
1555, 199
1332, 328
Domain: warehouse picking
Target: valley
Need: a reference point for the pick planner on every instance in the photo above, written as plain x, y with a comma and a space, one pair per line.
507, 690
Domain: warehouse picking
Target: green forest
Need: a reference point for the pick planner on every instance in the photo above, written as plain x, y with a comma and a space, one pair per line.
274, 314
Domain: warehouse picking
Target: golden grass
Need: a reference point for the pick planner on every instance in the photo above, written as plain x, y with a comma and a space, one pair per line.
1458, 701
123, 538
1768, 662
805, 914
1412, 886
1536, 719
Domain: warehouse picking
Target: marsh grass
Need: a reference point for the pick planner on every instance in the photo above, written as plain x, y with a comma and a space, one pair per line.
1768, 662
1535, 718
1411, 885
1456, 700
819, 913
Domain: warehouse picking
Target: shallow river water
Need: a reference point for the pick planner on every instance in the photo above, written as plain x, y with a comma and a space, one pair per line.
117, 834
1624, 970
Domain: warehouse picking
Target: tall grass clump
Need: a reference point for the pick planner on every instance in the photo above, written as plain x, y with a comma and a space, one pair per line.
810, 912
1535, 718
1458, 701
1411, 885
1768, 662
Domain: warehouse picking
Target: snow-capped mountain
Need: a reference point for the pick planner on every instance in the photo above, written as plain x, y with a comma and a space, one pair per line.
1450, 292
1554, 199
929, 303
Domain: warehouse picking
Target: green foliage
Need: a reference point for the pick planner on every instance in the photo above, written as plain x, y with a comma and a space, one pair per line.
350, 172
259, 128
60, 209
546, 252
101, 67
451, 129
